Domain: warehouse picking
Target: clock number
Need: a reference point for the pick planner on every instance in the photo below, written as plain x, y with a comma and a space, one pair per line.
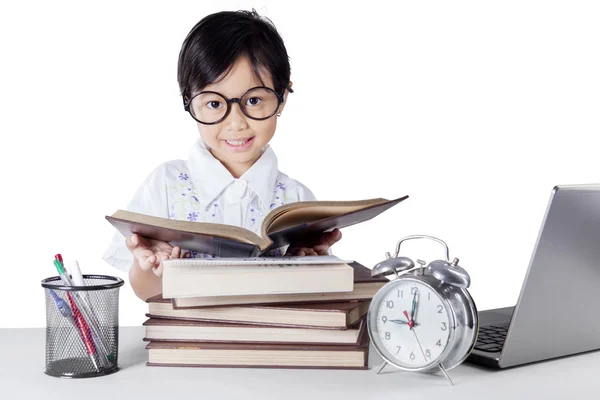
400, 293
412, 356
444, 327
428, 353
429, 296
384, 319
439, 343
398, 347
413, 290
388, 336
389, 304
439, 309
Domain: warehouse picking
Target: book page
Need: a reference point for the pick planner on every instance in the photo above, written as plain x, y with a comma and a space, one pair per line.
241, 261
294, 216
205, 228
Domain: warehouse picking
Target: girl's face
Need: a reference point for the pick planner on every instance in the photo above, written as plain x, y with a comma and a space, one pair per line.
238, 141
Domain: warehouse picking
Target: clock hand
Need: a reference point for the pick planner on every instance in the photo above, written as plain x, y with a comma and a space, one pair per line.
419, 343
415, 305
410, 321
400, 321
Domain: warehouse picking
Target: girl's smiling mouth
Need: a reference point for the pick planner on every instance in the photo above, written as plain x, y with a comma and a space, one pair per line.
239, 143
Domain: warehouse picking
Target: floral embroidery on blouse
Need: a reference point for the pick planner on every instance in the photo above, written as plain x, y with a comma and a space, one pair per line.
183, 200
279, 196
253, 211
185, 206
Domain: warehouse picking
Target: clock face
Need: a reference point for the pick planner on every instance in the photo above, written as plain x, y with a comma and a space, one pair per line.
410, 324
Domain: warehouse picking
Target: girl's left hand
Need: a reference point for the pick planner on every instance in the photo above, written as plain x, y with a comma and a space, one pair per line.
320, 247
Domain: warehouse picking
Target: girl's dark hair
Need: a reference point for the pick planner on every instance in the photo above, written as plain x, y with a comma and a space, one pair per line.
219, 40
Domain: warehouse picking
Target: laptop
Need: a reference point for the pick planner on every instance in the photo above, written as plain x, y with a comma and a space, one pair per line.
556, 314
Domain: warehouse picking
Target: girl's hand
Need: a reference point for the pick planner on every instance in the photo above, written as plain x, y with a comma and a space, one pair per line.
317, 247
150, 253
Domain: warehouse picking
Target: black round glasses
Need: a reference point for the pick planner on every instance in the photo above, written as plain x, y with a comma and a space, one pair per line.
209, 108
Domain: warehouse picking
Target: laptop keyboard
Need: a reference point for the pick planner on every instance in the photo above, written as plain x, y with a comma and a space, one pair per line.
491, 338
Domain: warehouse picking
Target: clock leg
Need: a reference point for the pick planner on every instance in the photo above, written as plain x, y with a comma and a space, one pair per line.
381, 367
446, 374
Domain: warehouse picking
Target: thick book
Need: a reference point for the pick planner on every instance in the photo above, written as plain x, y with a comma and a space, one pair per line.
215, 332
281, 226
331, 315
194, 354
365, 287
198, 277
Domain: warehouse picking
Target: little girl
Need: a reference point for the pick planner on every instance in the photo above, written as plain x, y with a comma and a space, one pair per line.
234, 76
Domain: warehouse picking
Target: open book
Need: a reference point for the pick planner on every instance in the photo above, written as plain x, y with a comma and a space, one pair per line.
282, 226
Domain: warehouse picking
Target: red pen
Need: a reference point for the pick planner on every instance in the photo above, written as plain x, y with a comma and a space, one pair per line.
84, 329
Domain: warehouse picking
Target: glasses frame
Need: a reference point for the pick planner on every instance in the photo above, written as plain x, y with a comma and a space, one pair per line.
186, 104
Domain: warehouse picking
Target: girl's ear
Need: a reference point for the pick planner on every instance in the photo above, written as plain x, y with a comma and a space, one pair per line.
285, 95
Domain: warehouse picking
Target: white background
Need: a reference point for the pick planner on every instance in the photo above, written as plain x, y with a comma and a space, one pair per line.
474, 109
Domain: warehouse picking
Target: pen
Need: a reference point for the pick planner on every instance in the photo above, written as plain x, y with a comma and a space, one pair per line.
85, 332
77, 279
76, 273
63, 307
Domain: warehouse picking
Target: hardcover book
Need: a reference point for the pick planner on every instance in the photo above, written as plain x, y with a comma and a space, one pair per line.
215, 332
331, 315
194, 354
364, 288
225, 277
282, 226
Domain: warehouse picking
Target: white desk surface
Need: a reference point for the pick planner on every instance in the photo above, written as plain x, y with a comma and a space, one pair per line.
22, 352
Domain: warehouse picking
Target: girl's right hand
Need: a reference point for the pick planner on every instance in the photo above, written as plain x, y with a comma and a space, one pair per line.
150, 253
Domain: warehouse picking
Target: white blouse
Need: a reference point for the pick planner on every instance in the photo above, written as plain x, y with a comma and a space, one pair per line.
202, 189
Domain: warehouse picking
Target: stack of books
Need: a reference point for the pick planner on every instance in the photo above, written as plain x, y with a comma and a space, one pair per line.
297, 312
227, 311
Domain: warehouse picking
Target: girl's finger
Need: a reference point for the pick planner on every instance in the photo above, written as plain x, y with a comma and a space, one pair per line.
144, 263
334, 236
321, 249
309, 252
158, 270
176, 252
131, 243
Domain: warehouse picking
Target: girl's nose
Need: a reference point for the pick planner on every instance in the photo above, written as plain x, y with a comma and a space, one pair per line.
236, 120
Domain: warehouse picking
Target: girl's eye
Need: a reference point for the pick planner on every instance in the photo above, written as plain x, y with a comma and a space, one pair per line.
214, 105
253, 101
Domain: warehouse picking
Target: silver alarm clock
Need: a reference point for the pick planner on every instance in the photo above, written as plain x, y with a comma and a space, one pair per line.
424, 320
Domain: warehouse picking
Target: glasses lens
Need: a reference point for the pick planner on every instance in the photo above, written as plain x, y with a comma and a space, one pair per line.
259, 103
208, 107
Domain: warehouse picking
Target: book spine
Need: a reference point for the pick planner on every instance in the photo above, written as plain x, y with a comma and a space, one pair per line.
229, 248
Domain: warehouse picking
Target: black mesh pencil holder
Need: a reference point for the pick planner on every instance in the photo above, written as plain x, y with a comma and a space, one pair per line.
82, 327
